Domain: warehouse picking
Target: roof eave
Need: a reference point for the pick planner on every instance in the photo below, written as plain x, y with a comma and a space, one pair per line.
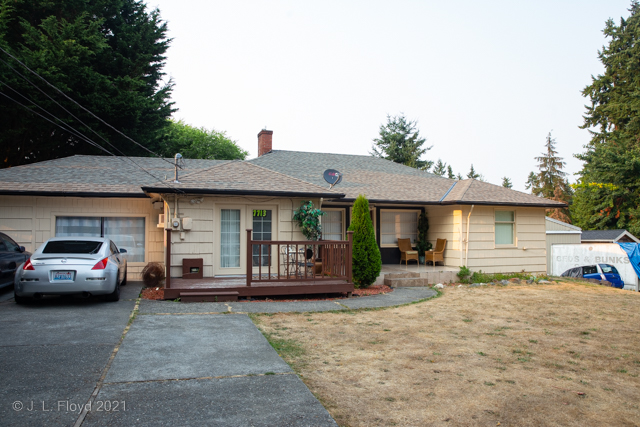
519, 204
72, 194
212, 192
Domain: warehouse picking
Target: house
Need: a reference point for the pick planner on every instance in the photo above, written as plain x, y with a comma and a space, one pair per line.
608, 236
206, 212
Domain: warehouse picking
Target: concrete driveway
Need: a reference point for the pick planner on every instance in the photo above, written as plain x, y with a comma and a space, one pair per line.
61, 358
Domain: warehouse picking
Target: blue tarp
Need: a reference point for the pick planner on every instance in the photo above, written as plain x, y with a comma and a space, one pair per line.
633, 251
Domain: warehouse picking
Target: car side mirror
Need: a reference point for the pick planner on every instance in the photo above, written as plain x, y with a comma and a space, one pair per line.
22, 249
139, 245
123, 251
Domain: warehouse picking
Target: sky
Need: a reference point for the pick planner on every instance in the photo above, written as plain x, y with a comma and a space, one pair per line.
485, 81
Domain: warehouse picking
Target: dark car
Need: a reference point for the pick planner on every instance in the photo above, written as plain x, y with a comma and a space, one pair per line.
11, 256
599, 272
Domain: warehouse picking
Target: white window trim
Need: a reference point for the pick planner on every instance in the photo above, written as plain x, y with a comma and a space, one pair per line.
343, 221
395, 245
515, 232
147, 218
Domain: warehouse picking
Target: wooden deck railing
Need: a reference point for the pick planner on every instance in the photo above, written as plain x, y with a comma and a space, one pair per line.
299, 261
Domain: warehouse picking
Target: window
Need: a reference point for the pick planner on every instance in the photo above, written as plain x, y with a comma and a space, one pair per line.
397, 224
126, 232
72, 247
230, 238
505, 225
332, 225
261, 231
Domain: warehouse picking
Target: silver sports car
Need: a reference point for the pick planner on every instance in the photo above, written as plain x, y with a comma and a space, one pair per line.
72, 266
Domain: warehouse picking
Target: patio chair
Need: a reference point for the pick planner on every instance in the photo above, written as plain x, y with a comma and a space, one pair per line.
406, 251
437, 254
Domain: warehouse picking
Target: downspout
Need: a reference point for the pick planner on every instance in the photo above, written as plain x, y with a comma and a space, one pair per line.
466, 250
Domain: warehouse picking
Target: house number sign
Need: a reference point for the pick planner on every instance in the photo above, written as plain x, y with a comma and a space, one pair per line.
258, 212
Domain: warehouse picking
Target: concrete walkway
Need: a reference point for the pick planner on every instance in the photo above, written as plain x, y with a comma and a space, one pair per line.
154, 363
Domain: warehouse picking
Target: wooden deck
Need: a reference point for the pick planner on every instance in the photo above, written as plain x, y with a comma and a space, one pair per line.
273, 268
231, 288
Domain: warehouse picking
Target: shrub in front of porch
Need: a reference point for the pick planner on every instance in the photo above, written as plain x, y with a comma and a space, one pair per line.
367, 262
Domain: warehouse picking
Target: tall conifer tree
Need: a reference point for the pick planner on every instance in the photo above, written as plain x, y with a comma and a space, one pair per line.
608, 189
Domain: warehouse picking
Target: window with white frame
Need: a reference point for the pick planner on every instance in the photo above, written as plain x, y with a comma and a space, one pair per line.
398, 224
505, 227
332, 221
126, 232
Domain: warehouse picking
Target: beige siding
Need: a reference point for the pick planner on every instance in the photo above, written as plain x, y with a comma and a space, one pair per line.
445, 222
203, 241
528, 252
31, 221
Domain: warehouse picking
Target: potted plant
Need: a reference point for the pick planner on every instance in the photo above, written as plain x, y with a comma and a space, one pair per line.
308, 219
422, 244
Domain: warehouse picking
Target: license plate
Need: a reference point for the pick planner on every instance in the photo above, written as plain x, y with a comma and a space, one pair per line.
62, 275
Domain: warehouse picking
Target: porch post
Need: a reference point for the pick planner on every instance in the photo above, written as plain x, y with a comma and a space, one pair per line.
249, 257
350, 256
167, 261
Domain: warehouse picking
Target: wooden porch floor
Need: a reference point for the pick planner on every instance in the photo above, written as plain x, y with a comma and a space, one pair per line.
230, 288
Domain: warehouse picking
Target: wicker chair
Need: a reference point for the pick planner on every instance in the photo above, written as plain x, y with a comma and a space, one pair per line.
436, 255
406, 251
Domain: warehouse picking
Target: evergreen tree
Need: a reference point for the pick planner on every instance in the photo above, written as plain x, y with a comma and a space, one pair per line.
550, 181
608, 189
532, 182
440, 168
459, 177
450, 174
473, 174
506, 182
367, 262
400, 142
107, 55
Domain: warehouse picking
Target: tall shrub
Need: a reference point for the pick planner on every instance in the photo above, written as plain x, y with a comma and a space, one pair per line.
367, 262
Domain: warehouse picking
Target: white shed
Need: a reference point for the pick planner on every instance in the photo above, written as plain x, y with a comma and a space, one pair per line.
560, 233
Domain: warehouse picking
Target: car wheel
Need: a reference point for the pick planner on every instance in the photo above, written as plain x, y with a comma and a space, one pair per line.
115, 295
22, 300
124, 281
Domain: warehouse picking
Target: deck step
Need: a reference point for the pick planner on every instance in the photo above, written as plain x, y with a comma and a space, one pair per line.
209, 296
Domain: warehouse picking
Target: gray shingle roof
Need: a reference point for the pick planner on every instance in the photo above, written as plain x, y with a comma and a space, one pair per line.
238, 177
382, 180
602, 235
105, 175
473, 191
295, 173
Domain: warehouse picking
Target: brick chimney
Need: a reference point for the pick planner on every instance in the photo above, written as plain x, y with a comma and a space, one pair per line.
264, 141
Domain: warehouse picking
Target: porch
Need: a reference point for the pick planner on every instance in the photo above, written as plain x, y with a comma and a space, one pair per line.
273, 268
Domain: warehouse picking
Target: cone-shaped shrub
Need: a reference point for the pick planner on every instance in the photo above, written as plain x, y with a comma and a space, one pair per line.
367, 262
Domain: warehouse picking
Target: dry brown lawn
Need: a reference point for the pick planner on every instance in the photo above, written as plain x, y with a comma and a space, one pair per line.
518, 355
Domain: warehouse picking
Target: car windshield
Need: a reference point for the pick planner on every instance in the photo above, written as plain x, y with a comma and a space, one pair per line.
72, 247
606, 268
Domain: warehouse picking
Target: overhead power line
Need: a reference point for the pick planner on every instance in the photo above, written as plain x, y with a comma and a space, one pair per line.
78, 134
79, 105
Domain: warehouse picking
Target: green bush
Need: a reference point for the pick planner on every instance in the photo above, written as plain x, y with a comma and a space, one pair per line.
367, 262
464, 274
423, 227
